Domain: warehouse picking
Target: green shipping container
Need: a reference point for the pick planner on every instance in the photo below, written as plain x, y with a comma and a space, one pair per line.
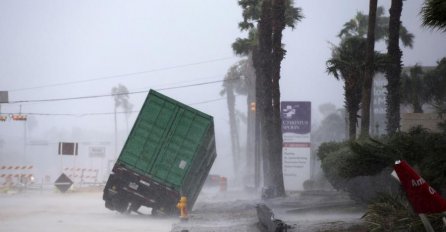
168, 154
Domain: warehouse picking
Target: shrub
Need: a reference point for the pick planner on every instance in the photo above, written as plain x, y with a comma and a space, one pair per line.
393, 213
363, 168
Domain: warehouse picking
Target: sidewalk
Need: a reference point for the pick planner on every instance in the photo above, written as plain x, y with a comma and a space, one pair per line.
315, 211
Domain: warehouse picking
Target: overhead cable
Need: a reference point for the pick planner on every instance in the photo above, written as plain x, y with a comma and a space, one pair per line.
115, 94
124, 74
102, 113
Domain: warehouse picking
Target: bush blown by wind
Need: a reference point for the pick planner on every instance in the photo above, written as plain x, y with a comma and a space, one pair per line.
363, 168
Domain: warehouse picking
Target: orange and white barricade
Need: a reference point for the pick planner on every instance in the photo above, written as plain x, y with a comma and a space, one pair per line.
82, 175
12, 175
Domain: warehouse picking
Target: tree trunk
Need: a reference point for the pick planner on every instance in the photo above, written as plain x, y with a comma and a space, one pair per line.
116, 135
258, 117
394, 68
233, 128
252, 162
265, 41
352, 120
368, 75
278, 25
352, 87
416, 104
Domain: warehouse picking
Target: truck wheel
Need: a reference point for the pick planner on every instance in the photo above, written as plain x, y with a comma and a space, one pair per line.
155, 211
134, 207
119, 205
109, 205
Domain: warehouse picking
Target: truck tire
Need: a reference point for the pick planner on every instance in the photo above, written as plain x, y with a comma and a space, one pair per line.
120, 205
109, 205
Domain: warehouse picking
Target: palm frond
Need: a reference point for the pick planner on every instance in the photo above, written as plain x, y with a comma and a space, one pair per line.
433, 14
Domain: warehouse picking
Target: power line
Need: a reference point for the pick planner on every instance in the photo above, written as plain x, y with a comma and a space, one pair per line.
124, 75
104, 113
192, 85
110, 95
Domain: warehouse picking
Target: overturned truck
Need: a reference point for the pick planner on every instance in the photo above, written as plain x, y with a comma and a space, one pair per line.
168, 154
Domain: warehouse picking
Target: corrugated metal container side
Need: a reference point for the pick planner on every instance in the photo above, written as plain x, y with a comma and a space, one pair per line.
172, 144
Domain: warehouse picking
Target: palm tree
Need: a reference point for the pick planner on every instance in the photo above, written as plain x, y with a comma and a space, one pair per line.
121, 97
347, 62
229, 91
358, 26
435, 81
393, 71
414, 91
260, 45
433, 13
434, 89
237, 80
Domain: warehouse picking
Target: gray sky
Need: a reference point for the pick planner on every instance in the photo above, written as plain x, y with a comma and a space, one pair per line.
156, 44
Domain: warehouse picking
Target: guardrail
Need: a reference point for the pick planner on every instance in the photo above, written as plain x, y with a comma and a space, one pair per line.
267, 220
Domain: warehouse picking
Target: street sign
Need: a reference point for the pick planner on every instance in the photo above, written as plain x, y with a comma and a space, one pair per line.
63, 183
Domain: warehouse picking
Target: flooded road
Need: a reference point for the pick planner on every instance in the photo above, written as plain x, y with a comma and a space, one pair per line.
70, 212
52, 211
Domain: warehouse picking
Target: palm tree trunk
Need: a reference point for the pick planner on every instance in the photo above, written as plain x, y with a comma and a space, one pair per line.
278, 24
394, 68
265, 43
352, 120
416, 104
258, 117
250, 138
233, 129
252, 161
116, 136
352, 88
368, 77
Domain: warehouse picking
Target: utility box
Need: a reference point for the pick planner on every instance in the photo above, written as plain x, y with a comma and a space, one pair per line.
168, 154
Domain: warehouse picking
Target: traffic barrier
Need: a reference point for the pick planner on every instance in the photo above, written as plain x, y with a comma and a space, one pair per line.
223, 184
12, 175
80, 175
26, 167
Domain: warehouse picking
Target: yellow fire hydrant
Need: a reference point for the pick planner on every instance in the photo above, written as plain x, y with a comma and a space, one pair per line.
182, 206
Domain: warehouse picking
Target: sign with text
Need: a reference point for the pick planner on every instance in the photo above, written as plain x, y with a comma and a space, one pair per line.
97, 151
296, 129
378, 105
423, 198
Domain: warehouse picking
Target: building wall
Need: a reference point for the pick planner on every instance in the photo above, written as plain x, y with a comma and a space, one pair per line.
426, 120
